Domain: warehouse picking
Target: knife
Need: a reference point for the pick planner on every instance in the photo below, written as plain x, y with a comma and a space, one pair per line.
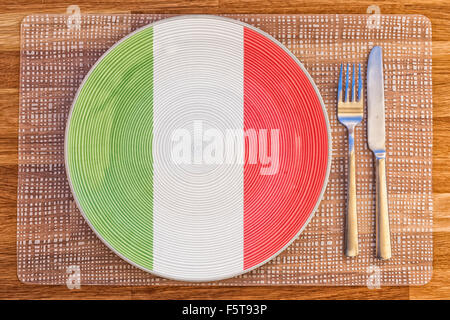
376, 141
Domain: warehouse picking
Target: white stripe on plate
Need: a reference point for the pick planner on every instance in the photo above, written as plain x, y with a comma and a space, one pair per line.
198, 208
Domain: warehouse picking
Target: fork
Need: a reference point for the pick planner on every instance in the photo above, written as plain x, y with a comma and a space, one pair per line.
350, 113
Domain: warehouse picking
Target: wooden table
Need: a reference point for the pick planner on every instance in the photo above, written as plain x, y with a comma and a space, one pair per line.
13, 11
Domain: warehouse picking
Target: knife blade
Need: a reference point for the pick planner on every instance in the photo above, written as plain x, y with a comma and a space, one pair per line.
375, 102
377, 143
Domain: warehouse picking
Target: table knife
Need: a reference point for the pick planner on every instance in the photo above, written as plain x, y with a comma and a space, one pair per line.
376, 141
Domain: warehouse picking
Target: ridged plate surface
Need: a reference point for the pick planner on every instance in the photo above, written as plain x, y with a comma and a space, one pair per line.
198, 148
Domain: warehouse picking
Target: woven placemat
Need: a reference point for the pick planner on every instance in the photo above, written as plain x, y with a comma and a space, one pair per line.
53, 239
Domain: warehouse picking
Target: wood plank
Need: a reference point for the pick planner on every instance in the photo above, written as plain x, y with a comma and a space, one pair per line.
439, 286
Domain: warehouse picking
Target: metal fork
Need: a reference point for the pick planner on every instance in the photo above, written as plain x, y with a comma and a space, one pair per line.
350, 113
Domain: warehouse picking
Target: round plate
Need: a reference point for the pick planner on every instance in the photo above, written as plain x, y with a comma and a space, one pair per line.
198, 148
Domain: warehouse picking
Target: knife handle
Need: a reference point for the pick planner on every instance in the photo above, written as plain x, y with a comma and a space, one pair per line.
382, 211
351, 223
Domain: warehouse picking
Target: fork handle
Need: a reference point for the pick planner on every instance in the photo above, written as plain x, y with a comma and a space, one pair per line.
351, 224
382, 211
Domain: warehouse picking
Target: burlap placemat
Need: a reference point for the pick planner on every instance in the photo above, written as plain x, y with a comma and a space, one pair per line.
54, 243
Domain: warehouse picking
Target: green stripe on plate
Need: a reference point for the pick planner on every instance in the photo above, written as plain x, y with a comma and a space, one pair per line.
109, 148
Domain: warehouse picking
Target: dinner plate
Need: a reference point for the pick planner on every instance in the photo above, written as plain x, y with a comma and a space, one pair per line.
197, 148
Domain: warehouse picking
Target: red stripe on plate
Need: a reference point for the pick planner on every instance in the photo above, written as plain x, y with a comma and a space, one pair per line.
278, 95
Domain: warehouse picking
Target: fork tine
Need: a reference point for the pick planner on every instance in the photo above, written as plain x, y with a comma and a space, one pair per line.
346, 94
353, 83
340, 86
359, 83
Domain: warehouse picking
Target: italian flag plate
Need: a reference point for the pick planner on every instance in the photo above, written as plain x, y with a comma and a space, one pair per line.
198, 148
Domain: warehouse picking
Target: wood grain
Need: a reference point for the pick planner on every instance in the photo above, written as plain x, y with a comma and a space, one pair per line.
11, 15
